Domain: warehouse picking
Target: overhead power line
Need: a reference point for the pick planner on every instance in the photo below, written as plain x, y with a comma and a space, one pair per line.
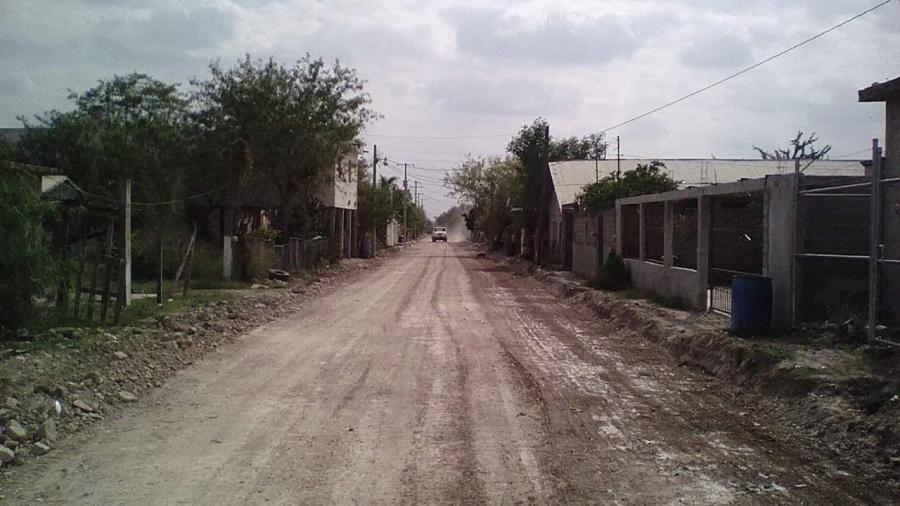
673, 102
747, 69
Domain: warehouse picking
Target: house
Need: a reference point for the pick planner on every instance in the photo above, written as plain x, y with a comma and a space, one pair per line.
338, 194
570, 177
889, 93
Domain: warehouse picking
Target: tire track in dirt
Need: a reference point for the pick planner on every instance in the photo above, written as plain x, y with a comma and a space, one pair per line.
664, 433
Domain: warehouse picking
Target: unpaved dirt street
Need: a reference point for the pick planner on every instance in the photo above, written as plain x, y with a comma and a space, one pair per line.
439, 378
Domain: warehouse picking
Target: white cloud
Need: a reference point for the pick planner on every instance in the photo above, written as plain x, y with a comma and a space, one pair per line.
456, 68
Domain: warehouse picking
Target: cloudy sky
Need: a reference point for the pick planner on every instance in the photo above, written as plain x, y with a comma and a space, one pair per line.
459, 77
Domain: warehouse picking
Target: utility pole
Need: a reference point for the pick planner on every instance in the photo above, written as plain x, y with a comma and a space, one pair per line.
405, 191
618, 158
374, 192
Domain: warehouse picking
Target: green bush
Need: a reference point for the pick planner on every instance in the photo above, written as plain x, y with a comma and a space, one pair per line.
613, 274
26, 263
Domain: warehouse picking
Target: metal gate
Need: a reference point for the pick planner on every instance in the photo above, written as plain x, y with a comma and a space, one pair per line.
876, 245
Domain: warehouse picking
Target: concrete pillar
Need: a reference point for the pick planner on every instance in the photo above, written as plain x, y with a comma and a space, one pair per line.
619, 243
348, 233
668, 232
780, 247
704, 219
354, 234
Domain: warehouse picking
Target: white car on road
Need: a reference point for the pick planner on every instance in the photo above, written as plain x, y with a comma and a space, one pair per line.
439, 234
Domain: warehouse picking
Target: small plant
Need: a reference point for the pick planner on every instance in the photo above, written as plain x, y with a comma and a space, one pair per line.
613, 274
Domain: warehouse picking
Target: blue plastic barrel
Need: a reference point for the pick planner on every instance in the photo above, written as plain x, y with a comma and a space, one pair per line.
365, 249
751, 305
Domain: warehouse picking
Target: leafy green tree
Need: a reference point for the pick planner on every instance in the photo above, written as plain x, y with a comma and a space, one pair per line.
131, 126
534, 147
279, 126
798, 149
378, 205
26, 267
489, 186
589, 147
642, 180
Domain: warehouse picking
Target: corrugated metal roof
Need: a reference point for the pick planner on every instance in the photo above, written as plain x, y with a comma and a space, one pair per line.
569, 178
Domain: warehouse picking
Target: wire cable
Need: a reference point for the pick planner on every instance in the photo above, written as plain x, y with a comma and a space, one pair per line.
673, 102
747, 69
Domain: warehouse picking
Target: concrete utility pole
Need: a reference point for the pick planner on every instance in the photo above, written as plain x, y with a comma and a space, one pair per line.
618, 158
125, 242
405, 191
374, 188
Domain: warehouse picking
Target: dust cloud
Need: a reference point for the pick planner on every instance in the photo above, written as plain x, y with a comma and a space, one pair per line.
456, 232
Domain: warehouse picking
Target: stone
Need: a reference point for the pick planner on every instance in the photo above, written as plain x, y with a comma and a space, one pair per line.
6, 455
127, 396
11, 403
15, 431
5, 414
257, 286
40, 448
47, 430
120, 355
80, 404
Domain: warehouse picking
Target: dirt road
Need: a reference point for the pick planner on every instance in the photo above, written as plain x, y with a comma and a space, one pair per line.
439, 378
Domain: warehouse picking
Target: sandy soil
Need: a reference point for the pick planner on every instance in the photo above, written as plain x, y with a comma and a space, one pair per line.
438, 378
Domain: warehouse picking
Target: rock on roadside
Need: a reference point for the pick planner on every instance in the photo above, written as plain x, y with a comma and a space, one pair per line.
16, 432
127, 396
47, 430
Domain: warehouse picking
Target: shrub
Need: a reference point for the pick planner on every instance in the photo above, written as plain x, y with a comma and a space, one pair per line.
26, 264
613, 274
